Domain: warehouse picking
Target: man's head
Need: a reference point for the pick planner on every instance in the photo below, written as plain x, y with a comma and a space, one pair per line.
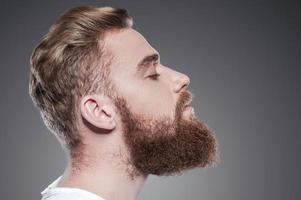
112, 83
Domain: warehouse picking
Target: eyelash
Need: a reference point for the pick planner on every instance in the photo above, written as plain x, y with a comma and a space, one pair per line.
154, 76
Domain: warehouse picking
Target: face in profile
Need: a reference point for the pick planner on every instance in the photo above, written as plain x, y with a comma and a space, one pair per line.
161, 132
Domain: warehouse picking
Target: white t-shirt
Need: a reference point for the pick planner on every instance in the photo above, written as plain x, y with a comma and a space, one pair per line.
65, 193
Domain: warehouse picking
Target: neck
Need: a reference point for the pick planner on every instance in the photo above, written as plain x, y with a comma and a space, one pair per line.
106, 178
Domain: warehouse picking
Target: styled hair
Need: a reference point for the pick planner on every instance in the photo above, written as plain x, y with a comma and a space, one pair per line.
69, 62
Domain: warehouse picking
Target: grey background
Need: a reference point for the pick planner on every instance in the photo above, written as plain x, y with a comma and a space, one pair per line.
243, 58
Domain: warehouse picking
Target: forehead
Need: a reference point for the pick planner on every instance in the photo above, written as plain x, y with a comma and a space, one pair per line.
127, 46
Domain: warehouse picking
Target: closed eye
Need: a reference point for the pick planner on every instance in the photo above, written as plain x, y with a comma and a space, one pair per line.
154, 76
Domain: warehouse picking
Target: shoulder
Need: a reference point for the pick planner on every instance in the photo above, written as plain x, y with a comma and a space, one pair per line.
63, 196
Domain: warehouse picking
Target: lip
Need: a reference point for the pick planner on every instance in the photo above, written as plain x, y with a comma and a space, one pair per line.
188, 107
188, 103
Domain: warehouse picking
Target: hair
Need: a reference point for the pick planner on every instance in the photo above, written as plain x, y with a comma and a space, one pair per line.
69, 62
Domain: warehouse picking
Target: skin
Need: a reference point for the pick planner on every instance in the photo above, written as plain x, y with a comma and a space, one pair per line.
105, 168
144, 95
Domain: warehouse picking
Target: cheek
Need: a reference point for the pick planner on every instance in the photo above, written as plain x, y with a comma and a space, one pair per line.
147, 97
158, 101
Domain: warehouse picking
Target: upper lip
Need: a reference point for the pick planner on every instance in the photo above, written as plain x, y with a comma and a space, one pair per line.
188, 103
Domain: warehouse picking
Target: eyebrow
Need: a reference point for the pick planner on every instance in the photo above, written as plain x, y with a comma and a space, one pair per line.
147, 59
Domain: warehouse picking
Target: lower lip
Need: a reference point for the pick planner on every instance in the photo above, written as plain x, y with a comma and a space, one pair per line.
189, 109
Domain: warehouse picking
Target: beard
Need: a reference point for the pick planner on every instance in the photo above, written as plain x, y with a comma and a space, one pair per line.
165, 146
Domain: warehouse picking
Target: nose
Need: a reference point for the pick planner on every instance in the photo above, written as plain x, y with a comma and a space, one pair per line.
181, 81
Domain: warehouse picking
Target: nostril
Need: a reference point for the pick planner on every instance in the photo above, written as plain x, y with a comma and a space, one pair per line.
181, 81
184, 87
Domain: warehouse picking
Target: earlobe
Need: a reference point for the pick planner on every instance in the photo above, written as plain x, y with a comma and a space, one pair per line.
96, 111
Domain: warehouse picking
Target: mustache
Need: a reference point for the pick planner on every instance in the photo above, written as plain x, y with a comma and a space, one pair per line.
185, 97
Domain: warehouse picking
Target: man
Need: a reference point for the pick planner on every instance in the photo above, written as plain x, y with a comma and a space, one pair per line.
120, 114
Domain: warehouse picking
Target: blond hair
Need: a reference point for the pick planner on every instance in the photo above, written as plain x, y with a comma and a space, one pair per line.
70, 62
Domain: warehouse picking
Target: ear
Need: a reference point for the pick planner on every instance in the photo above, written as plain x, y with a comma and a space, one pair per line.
98, 111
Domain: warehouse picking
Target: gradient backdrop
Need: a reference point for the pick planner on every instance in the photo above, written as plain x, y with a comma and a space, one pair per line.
243, 58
